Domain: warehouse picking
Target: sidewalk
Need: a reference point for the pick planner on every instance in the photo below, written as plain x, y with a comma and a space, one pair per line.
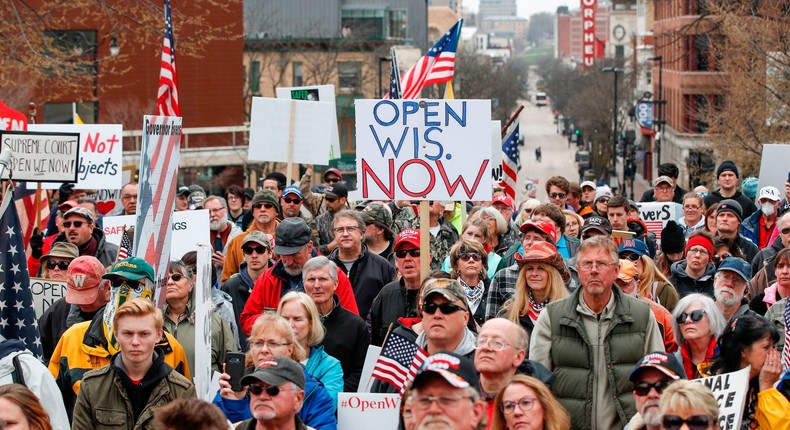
640, 184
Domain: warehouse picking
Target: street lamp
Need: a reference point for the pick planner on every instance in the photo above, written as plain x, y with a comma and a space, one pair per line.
381, 60
615, 71
660, 102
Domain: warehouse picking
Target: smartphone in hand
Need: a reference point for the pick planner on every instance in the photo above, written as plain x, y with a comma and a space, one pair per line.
234, 366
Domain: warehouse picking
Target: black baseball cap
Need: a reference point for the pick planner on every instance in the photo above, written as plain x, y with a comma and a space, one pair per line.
456, 369
665, 363
290, 236
276, 371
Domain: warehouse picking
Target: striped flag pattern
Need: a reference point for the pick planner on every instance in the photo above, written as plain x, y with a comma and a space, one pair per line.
435, 67
510, 157
167, 95
399, 360
25, 199
125, 248
786, 349
395, 89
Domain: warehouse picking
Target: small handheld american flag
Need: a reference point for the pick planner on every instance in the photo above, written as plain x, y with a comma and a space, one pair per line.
399, 361
510, 160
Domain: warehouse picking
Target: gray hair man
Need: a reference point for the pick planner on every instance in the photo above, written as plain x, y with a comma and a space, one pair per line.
729, 287
276, 395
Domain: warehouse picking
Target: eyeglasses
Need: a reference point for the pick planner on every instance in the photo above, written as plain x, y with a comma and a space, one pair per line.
590, 265
643, 388
289, 200
524, 403
260, 250
446, 308
259, 344
473, 256
694, 422
233, 197
404, 252
603, 200
76, 224
344, 230
785, 230
271, 391
557, 195
719, 258
696, 316
492, 343
631, 256
117, 282
216, 210
695, 250
62, 265
692, 207
734, 279
262, 205
176, 277
444, 402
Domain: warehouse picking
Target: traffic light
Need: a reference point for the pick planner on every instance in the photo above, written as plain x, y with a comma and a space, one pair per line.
577, 132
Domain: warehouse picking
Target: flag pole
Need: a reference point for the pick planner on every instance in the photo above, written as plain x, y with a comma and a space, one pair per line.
32, 120
511, 120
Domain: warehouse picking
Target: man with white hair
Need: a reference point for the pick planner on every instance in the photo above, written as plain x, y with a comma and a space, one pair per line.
221, 229
729, 286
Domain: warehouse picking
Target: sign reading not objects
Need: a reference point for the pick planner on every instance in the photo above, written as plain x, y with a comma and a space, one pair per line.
45, 293
424, 149
42, 157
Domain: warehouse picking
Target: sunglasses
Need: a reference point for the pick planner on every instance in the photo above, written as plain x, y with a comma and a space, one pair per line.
474, 256
631, 256
264, 205
643, 388
557, 195
603, 200
271, 391
76, 224
117, 282
404, 252
446, 308
289, 200
332, 180
176, 277
62, 265
694, 422
785, 230
719, 258
330, 199
260, 250
696, 316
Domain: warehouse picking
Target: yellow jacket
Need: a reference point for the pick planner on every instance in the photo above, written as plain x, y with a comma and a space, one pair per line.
773, 410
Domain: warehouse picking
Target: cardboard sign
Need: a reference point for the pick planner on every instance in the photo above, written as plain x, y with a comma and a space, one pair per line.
202, 297
318, 93
45, 293
364, 411
619, 236
655, 215
774, 169
189, 229
427, 149
366, 378
101, 152
42, 157
278, 123
730, 391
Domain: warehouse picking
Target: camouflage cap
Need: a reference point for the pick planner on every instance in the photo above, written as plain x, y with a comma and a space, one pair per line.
379, 214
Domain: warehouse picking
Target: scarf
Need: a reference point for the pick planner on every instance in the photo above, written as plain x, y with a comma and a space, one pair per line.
692, 371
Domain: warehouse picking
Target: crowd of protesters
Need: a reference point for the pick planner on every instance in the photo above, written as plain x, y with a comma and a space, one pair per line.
557, 315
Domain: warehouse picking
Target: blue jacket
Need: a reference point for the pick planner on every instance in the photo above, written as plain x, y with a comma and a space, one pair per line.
750, 227
326, 369
316, 409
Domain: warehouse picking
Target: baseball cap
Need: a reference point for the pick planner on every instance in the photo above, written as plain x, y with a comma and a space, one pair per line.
249, 193
503, 200
276, 371
737, 265
731, 206
597, 223
450, 289
335, 171
196, 199
590, 184
665, 363
662, 179
292, 189
379, 214
541, 227
83, 279
408, 235
81, 211
132, 268
290, 236
770, 193
183, 191
456, 369
636, 246
257, 236
337, 189
68, 204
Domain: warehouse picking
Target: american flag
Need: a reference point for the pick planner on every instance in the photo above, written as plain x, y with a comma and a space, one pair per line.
435, 67
17, 314
395, 90
786, 349
167, 96
25, 199
125, 248
399, 360
510, 162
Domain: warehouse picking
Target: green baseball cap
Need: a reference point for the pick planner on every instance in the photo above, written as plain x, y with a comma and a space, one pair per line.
132, 268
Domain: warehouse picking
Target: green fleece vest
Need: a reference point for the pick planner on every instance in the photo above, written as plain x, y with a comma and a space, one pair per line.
572, 356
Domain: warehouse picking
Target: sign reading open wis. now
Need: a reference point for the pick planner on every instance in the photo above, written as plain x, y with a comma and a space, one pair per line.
424, 149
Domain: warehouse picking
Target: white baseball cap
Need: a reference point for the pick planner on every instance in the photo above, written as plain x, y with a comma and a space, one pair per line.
770, 193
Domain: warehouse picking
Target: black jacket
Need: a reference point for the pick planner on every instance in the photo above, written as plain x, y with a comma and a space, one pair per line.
368, 275
56, 320
106, 252
747, 204
238, 287
393, 301
346, 339
686, 285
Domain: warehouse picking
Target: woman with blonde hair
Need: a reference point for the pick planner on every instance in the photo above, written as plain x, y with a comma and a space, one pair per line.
469, 262
573, 224
20, 409
541, 280
525, 210
526, 403
689, 403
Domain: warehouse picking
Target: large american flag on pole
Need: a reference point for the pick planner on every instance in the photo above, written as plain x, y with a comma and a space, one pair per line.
435, 67
510, 156
17, 314
167, 95
399, 360
25, 199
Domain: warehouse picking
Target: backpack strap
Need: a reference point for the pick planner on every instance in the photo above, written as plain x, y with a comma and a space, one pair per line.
18, 375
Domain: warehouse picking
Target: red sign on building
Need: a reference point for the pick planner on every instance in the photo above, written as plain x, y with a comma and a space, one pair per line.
588, 8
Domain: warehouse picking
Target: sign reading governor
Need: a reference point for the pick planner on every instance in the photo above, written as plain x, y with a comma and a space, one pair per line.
424, 149
42, 156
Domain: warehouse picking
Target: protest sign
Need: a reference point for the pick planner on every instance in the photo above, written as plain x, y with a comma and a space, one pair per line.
427, 149
655, 215
364, 411
318, 93
202, 305
496, 151
304, 126
156, 197
101, 151
774, 169
366, 378
42, 157
45, 293
189, 229
109, 201
619, 236
11, 119
730, 391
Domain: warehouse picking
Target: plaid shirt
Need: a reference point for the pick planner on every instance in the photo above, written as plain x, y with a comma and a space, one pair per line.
502, 288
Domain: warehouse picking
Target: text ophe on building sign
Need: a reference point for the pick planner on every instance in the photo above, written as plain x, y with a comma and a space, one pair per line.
42, 157
426, 149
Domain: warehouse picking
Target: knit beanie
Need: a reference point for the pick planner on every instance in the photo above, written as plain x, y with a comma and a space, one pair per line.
672, 238
699, 241
749, 187
727, 166
266, 196
732, 206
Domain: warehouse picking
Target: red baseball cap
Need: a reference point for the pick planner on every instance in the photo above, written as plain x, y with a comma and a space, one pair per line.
505, 200
540, 227
83, 279
410, 236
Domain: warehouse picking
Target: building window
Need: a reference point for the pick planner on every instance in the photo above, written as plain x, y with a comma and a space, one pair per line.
363, 23
619, 54
298, 74
701, 55
697, 111
64, 113
349, 76
255, 77
397, 25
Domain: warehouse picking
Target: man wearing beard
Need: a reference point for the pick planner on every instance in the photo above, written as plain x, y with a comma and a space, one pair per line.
221, 229
292, 243
651, 376
729, 286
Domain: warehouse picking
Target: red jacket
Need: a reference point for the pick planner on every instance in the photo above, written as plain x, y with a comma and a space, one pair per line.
267, 290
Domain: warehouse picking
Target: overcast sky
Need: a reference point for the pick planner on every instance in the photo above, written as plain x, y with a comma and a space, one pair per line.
529, 7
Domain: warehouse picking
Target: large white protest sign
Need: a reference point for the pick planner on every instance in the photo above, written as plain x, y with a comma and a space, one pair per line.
45, 293
42, 157
426, 149
774, 168
655, 215
202, 305
366, 378
189, 229
109, 201
101, 151
318, 93
364, 411
305, 125
730, 390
